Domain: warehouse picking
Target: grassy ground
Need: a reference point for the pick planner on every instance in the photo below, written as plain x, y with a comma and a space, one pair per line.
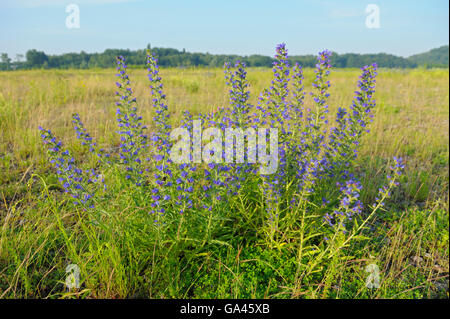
408, 241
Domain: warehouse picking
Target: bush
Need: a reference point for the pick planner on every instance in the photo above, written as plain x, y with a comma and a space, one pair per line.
159, 223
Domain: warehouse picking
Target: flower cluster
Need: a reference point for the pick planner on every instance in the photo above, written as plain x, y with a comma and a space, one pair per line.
239, 94
131, 130
80, 184
298, 93
345, 137
274, 107
87, 140
349, 204
312, 157
317, 115
172, 185
385, 191
160, 137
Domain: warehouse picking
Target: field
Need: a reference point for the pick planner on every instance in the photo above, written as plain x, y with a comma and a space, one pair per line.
40, 233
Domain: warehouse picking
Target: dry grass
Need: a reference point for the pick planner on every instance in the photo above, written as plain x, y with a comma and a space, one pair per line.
411, 117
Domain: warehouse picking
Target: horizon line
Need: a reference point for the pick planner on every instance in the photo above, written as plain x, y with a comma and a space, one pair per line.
229, 54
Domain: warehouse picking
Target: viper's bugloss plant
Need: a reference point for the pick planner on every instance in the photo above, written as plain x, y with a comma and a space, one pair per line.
131, 130
311, 204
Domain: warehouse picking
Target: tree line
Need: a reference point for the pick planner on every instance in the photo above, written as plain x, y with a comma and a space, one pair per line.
168, 57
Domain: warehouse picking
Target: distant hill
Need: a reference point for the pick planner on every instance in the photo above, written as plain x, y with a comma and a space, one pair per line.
434, 58
168, 57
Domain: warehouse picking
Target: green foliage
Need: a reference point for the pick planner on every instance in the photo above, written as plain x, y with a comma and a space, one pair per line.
36, 59
175, 58
434, 58
248, 272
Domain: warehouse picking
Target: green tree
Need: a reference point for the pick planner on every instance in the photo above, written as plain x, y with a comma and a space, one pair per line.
36, 59
6, 62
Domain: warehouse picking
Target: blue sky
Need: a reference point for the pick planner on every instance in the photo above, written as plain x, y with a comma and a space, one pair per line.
226, 26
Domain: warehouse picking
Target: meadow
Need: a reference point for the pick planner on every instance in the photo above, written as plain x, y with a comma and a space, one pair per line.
121, 255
